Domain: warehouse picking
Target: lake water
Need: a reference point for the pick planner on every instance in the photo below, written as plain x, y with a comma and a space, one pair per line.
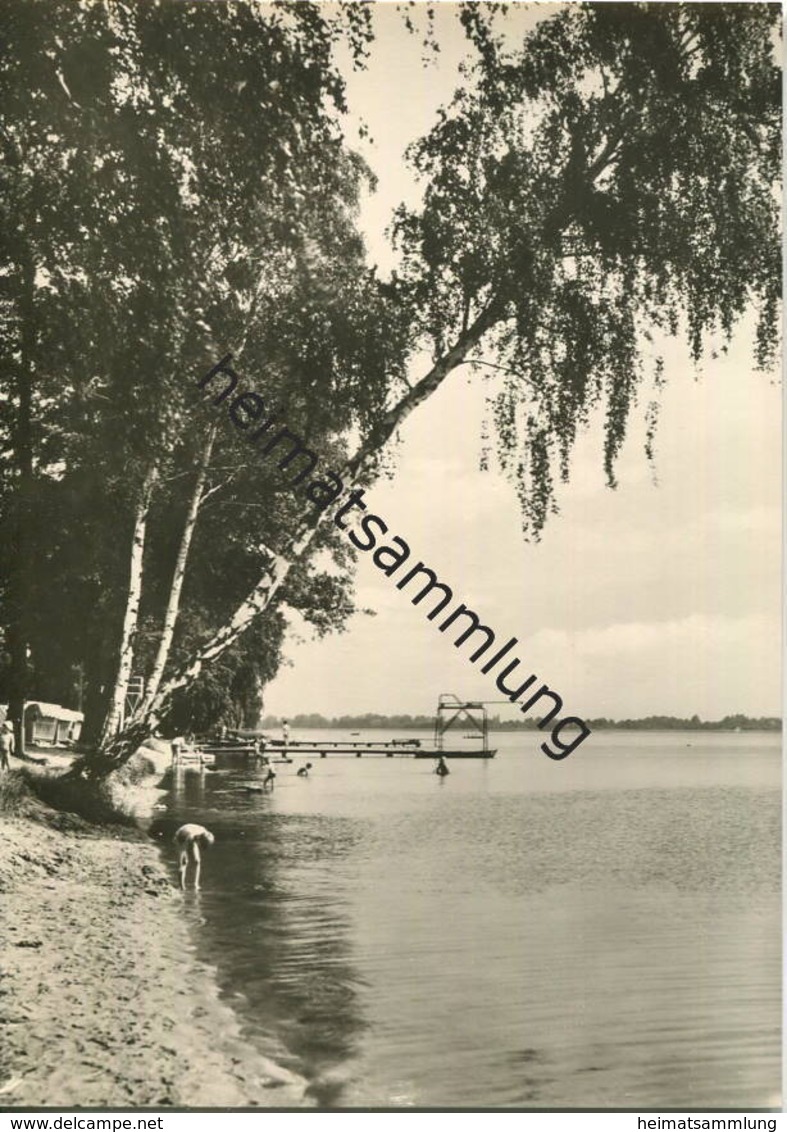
598, 932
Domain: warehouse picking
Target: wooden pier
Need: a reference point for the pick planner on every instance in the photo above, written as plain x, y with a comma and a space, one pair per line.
450, 711
346, 748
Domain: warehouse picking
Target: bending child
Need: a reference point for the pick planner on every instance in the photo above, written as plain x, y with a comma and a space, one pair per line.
188, 839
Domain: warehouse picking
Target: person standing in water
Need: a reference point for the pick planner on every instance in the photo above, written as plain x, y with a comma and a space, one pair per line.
188, 840
285, 738
259, 751
441, 768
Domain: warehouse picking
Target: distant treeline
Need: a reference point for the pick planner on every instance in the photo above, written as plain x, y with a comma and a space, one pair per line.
426, 722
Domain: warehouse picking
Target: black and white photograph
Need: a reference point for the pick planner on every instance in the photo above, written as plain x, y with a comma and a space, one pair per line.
390, 589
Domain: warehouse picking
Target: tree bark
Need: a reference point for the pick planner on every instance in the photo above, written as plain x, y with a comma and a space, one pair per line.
178, 575
117, 701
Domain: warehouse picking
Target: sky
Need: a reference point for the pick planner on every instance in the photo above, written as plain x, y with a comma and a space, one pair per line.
661, 597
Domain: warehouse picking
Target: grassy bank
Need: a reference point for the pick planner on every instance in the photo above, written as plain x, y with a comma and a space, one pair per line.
103, 1003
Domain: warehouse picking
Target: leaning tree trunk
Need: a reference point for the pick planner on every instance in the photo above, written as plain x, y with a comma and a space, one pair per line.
276, 574
114, 716
117, 749
179, 573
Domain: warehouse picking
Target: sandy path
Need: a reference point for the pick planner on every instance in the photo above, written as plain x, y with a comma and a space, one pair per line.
102, 1001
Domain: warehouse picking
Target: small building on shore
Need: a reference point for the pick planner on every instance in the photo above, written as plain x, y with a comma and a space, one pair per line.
51, 725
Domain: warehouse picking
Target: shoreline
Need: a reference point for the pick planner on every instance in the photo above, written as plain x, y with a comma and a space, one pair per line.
103, 1003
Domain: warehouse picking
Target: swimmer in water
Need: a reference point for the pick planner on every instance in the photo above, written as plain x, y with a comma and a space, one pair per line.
188, 840
303, 771
441, 767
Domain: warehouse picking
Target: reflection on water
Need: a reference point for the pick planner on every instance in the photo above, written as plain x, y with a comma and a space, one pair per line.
525, 933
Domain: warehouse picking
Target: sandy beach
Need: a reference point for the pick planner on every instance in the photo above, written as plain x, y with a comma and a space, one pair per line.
102, 1001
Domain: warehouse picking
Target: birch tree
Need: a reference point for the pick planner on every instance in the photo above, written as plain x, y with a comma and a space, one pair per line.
611, 181
154, 203
198, 495
114, 715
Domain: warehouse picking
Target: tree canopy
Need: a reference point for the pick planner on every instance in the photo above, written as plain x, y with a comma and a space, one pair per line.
611, 180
